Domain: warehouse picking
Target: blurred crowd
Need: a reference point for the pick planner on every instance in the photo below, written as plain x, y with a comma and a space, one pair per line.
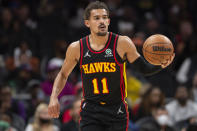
34, 36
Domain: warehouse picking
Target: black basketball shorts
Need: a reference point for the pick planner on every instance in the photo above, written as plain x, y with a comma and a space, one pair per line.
98, 117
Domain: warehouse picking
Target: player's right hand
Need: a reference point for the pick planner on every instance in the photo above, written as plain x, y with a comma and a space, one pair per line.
54, 108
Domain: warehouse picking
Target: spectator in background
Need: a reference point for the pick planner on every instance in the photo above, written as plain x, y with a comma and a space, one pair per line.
45, 8
160, 121
194, 88
74, 113
42, 121
183, 39
78, 90
182, 108
192, 125
25, 28
67, 116
23, 76
60, 51
5, 30
187, 70
37, 97
11, 118
138, 40
22, 54
4, 126
24, 17
10, 69
12, 104
152, 24
151, 100
2, 69
52, 71
7, 118
35, 67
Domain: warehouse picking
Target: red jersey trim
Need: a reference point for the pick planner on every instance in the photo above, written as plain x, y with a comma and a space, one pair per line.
97, 52
122, 89
81, 57
121, 75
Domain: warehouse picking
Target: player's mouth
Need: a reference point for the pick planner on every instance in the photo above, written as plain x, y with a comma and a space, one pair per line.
102, 27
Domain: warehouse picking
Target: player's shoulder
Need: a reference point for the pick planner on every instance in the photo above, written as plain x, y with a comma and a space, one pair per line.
124, 41
123, 38
75, 44
74, 49
125, 44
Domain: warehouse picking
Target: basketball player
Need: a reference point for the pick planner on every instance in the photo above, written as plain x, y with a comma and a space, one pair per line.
101, 56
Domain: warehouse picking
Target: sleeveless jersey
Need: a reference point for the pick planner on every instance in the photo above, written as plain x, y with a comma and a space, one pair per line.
102, 72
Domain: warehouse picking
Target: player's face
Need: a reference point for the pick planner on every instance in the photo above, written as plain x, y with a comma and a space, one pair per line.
98, 22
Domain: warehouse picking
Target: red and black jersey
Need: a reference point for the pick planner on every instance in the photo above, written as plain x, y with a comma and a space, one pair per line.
102, 72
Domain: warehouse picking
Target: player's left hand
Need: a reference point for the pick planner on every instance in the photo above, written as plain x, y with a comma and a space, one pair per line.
168, 61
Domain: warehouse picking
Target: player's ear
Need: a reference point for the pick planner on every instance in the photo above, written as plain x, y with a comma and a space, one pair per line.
87, 23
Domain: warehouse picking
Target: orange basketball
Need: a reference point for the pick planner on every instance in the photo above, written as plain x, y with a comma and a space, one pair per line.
157, 48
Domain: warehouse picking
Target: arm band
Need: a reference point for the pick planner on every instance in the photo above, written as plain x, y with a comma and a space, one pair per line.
144, 67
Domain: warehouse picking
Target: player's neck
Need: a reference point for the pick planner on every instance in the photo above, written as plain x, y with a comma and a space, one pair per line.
98, 40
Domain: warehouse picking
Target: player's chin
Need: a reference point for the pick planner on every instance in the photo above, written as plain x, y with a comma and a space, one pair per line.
102, 33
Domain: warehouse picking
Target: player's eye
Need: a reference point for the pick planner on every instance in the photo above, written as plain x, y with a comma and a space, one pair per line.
96, 18
105, 17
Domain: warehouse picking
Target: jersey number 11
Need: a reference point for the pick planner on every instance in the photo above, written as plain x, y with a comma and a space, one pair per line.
104, 83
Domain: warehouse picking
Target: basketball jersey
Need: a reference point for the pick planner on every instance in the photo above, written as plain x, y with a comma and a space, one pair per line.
102, 72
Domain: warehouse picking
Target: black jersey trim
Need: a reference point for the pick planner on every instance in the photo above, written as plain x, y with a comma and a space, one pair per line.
114, 50
106, 44
117, 57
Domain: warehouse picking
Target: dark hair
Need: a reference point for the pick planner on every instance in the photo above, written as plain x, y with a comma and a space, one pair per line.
145, 103
94, 5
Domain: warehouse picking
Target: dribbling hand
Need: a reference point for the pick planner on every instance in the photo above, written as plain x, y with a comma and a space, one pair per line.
168, 61
54, 108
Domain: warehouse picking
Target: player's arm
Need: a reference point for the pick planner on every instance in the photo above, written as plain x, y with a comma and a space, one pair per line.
127, 51
72, 57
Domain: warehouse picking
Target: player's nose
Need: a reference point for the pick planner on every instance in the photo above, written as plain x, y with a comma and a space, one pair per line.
102, 21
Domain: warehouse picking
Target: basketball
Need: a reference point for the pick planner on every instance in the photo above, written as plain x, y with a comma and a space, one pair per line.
157, 49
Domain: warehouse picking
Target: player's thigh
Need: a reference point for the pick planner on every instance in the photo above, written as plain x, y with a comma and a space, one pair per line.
92, 127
